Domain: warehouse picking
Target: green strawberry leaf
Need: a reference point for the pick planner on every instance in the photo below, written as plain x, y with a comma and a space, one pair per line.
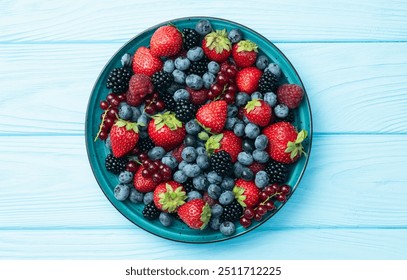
246, 45
203, 136
205, 215
240, 197
172, 199
213, 143
296, 148
120, 123
251, 105
218, 40
169, 119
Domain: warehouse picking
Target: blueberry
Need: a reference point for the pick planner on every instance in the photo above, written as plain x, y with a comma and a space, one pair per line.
226, 198
245, 120
238, 129
261, 142
136, 113
189, 154
192, 170
241, 99
174, 87
214, 223
214, 191
275, 69
230, 123
165, 219
256, 95
203, 161
125, 177
227, 184
125, 111
201, 151
169, 66
270, 98
238, 169
170, 161
148, 198
108, 143
213, 67
251, 130
281, 111
121, 192
193, 195
247, 174
208, 79
182, 63
200, 182
194, 81
227, 228
126, 60
261, 179
232, 111
260, 156
156, 153
180, 177
192, 127
182, 164
262, 62
245, 158
216, 210
235, 35
136, 196
248, 145
179, 76
181, 94
214, 178
190, 141
203, 27
143, 120
195, 54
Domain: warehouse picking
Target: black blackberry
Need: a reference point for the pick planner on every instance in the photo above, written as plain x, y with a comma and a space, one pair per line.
168, 100
161, 80
185, 110
188, 185
268, 82
150, 211
199, 67
290, 117
221, 163
115, 165
118, 80
277, 172
145, 144
232, 212
191, 38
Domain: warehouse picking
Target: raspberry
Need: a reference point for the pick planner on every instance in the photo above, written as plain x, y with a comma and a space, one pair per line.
139, 86
198, 97
290, 95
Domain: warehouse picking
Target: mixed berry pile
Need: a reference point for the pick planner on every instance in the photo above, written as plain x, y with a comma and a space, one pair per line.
200, 128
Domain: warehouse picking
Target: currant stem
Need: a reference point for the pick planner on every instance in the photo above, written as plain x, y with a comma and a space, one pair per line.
101, 124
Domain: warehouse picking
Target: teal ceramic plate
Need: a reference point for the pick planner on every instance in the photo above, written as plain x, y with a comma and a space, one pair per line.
97, 150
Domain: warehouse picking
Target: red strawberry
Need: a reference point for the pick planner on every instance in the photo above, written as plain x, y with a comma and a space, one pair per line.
166, 131
139, 86
290, 95
244, 53
169, 196
256, 167
166, 41
213, 116
145, 63
246, 193
142, 184
124, 137
195, 213
285, 143
247, 79
217, 46
258, 112
198, 97
226, 141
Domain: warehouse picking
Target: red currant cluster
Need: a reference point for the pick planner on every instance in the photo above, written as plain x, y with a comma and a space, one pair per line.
267, 197
132, 166
156, 170
225, 86
153, 104
109, 116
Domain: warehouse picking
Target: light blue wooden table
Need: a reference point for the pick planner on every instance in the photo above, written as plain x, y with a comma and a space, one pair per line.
352, 201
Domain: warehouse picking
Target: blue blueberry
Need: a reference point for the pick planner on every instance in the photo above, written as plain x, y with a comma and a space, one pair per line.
143, 120
193, 195
121, 192
125, 111
180, 177
203, 161
208, 79
260, 156
235, 35
248, 145
281, 111
174, 87
261, 179
216, 210
261, 142
125, 177
214, 223
247, 174
227, 228
189, 154
245, 158
200, 182
165, 219
230, 123
169, 66
181, 94
192, 170
182, 164
156, 153
262, 62
275, 69
136, 113
201, 151
136, 196
214, 178
226, 197
245, 120
179, 76
192, 127
170, 161
232, 111
238, 129
214, 191
148, 198
241, 99
227, 184
194, 81
238, 169
108, 143
182, 63
190, 140
256, 95
251, 130
213, 67
195, 54
203, 27
270, 98
126, 60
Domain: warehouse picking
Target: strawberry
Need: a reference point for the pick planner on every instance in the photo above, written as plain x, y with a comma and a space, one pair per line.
290, 95
217, 46
145, 63
285, 143
212, 116
169, 196
247, 79
198, 97
195, 213
226, 141
166, 41
258, 112
166, 130
139, 86
246, 193
141, 183
244, 53
124, 137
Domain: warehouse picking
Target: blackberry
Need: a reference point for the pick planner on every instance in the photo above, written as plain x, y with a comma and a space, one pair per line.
199, 67
161, 80
191, 38
268, 82
118, 80
150, 211
168, 100
232, 212
185, 110
188, 185
115, 165
221, 163
290, 118
277, 172
145, 144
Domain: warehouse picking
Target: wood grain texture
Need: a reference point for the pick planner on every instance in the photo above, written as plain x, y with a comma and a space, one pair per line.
288, 21
353, 88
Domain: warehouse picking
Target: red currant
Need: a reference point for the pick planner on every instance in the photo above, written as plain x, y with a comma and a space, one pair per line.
229, 98
121, 97
270, 205
281, 197
157, 177
104, 105
285, 189
231, 72
146, 173
263, 196
103, 135
113, 112
142, 157
110, 96
152, 167
261, 210
132, 166
221, 80
245, 222
149, 109
258, 217
160, 105
248, 213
